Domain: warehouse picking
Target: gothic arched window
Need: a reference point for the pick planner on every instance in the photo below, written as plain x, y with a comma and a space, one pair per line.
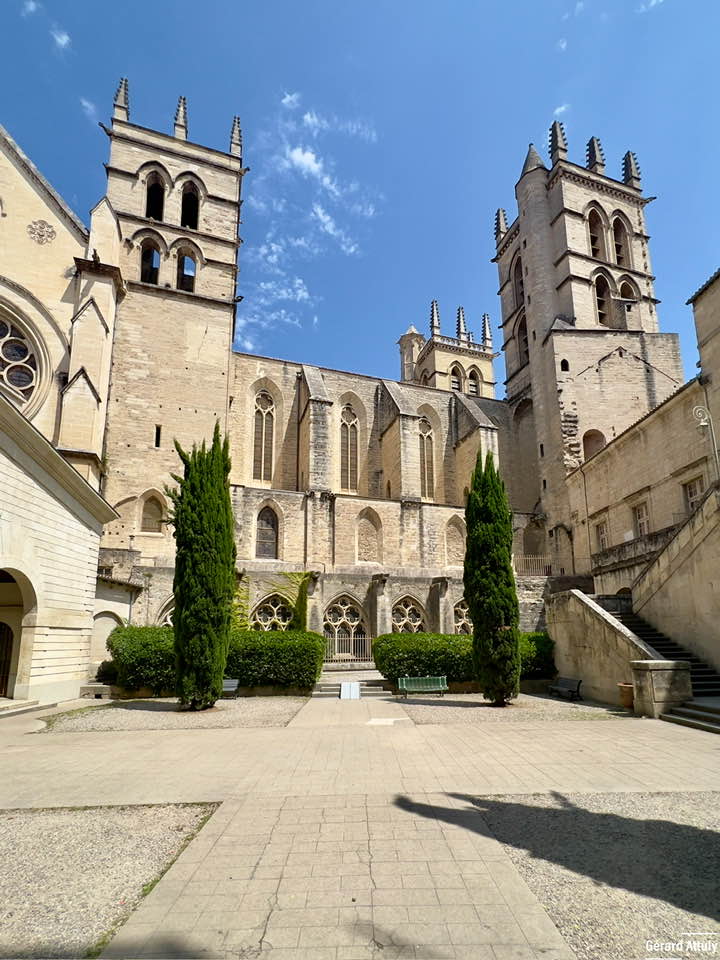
473, 384
155, 197
620, 242
272, 613
152, 516
461, 617
427, 481
407, 617
263, 440
518, 284
344, 629
149, 262
190, 206
523, 346
456, 379
186, 271
348, 449
596, 230
602, 301
266, 539
19, 372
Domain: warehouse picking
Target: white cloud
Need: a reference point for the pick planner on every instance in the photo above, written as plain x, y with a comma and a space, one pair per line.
61, 38
316, 123
309, 164
273, 290
562, 44
89, 108
651, 4
247, 344
329, 226
291, 101
30, 7
579, 7
559, 111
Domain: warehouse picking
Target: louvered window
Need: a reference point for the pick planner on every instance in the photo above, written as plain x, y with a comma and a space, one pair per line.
348, 449
263, 442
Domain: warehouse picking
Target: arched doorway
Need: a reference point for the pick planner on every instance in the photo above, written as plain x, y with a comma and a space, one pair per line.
12, 610
6, 652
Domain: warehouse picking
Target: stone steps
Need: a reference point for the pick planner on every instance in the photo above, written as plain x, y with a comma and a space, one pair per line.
24, 706
698, 715
368, 689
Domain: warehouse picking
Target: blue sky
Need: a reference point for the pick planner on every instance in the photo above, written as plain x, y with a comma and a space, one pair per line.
381, 137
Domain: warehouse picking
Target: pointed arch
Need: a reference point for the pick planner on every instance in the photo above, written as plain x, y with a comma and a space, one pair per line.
273, 612
149, 262
474, 383
349, 429
191, 176
267, 534
155, 189
622, 231
368, 537
455, 542
457, 377
408, 616
263, 436
144, 171
152, 514
189, 205
597, 230
166, 612
518, 282
185, 243
521, 340
187, 268
345, 629
154, 235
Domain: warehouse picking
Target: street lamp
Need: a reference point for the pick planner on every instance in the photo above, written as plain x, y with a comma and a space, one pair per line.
705, 422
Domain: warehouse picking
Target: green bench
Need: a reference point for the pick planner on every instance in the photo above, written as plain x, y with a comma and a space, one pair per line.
408, 685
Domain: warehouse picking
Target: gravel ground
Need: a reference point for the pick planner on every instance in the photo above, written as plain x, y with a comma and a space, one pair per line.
471, 708
616, 870
163, 714
70, 875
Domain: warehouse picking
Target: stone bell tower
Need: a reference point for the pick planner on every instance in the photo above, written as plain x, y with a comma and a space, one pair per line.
177, 205
583, 354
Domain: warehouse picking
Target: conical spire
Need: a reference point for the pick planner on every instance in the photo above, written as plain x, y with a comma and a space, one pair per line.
460, 327
236, 138
595, 156
121, 103
181, 124
558, 143
434, 319
486, 332
500, 224
631, 170
532, 160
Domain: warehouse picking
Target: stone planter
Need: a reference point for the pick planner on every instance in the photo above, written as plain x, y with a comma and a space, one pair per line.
627, 693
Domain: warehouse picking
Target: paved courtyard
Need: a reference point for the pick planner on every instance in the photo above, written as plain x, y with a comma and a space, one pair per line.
354, 832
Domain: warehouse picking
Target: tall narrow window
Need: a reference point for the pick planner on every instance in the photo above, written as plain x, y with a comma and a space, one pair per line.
427, 482
152, 516
266, 541
348, 449
263, 445
190, 206
455, 379
149, 262
155, 197
597, 235
522, 342
474, 384
602, 301
186, 270
641, 519
620, 242
601, 535
158, 434
693, 493
518, 284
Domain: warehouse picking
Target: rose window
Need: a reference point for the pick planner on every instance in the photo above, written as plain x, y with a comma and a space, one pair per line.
407, 617
272, 614
463, 623
18, 363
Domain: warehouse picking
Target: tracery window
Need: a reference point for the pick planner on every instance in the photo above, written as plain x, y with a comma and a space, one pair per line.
273, 613
344, 629
264, 428
266, 540
190, 206
407, 617
348, 449
166, 616
461, 614
19, 373
152, 516
427, 482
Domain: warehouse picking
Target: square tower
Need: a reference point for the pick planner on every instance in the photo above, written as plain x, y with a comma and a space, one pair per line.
584, 357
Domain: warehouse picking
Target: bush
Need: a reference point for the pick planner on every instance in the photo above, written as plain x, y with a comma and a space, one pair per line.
537, 655
107, 672
144, 657
450, 655
275, 658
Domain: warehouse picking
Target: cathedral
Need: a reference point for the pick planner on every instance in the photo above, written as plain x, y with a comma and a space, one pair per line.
117, 339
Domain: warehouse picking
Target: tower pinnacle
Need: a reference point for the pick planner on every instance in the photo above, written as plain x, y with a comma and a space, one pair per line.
558, 143
181, 124
236, 138
460, 327
631, 170
486, 332
595, 156
532, 160
121, 103
500, 224
434, 319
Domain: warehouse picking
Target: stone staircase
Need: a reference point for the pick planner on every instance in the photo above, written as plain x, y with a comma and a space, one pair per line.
331, 689
701, 714
13, 708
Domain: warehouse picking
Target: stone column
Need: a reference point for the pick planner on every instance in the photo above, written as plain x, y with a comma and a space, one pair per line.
660, 685
381, 613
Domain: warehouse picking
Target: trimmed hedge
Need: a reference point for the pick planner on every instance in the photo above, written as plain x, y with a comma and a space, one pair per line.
145, 657
276, 658
438, 654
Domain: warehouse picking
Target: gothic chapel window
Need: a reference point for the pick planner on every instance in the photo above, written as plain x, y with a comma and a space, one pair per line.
155, 198
263, 440
348, 449
266, 541
190, 207
427, 482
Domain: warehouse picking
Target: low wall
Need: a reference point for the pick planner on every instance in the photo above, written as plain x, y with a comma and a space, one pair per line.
679, 593
592, 645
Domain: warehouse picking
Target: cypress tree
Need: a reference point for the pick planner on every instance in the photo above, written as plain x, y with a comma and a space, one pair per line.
204, 584
490, 585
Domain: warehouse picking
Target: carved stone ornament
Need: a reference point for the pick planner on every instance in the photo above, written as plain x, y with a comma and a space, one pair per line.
41, 231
